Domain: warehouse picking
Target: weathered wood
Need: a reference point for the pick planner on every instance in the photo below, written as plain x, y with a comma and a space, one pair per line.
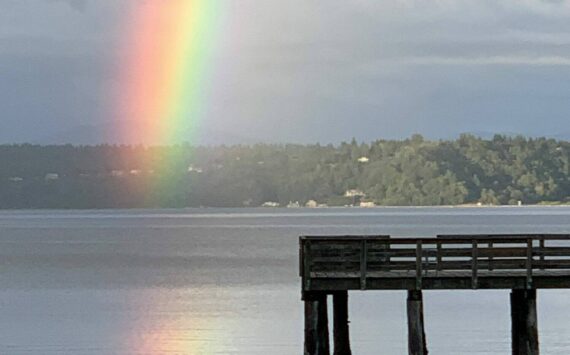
363, 264
349, 238
490, 257
529, 264
541, 251
503, 236
454, 282
316, 324
488, 252
474, 265
306, 266
334, 265
418, 265
553, 264
524, 322
439, 255
416, 333
341, 328
302, 255
435, 262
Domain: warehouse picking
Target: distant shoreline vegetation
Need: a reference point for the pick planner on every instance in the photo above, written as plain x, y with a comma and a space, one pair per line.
411, 172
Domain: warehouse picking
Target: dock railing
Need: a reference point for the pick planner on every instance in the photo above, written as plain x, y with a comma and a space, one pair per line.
446, 256
334, 265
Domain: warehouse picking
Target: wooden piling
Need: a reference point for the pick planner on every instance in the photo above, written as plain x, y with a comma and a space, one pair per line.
524, 322
316, 324
336, 264
416, 332
341, 329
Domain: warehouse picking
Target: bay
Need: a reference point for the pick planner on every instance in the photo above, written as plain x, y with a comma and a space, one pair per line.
225, 281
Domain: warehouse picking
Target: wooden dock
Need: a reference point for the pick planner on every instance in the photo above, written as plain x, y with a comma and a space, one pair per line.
334, 265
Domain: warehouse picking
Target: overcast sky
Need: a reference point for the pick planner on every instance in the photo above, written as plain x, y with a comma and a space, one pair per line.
305, 70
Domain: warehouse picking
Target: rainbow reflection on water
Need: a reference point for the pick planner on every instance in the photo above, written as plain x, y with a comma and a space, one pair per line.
178, 321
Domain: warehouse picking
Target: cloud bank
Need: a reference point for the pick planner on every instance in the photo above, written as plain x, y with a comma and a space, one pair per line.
304, 71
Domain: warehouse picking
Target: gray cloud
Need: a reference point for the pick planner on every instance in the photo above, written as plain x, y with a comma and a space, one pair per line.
302, 70
79, 5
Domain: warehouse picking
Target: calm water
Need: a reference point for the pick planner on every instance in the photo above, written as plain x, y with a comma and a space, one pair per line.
225, 282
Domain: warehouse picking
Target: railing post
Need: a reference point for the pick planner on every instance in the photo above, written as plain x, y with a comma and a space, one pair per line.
529, 263
363, 264
490, 260
438, 256
541, 245
419, 265
474, 265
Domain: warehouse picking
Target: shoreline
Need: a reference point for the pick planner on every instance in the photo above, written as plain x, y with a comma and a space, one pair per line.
283, 208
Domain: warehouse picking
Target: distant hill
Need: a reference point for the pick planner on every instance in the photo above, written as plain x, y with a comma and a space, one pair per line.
414, 171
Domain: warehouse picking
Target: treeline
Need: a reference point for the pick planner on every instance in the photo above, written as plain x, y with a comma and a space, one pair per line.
415, 171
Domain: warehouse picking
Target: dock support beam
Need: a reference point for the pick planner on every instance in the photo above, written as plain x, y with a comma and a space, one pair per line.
416, 332
316, 324
524, 322
341, 332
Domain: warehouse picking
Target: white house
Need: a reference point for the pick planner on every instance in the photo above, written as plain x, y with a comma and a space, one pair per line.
354, 193
312, 204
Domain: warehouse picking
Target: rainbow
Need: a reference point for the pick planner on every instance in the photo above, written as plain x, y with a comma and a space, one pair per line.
166, 69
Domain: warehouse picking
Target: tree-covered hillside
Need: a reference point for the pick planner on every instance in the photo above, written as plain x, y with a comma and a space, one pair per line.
414, 171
